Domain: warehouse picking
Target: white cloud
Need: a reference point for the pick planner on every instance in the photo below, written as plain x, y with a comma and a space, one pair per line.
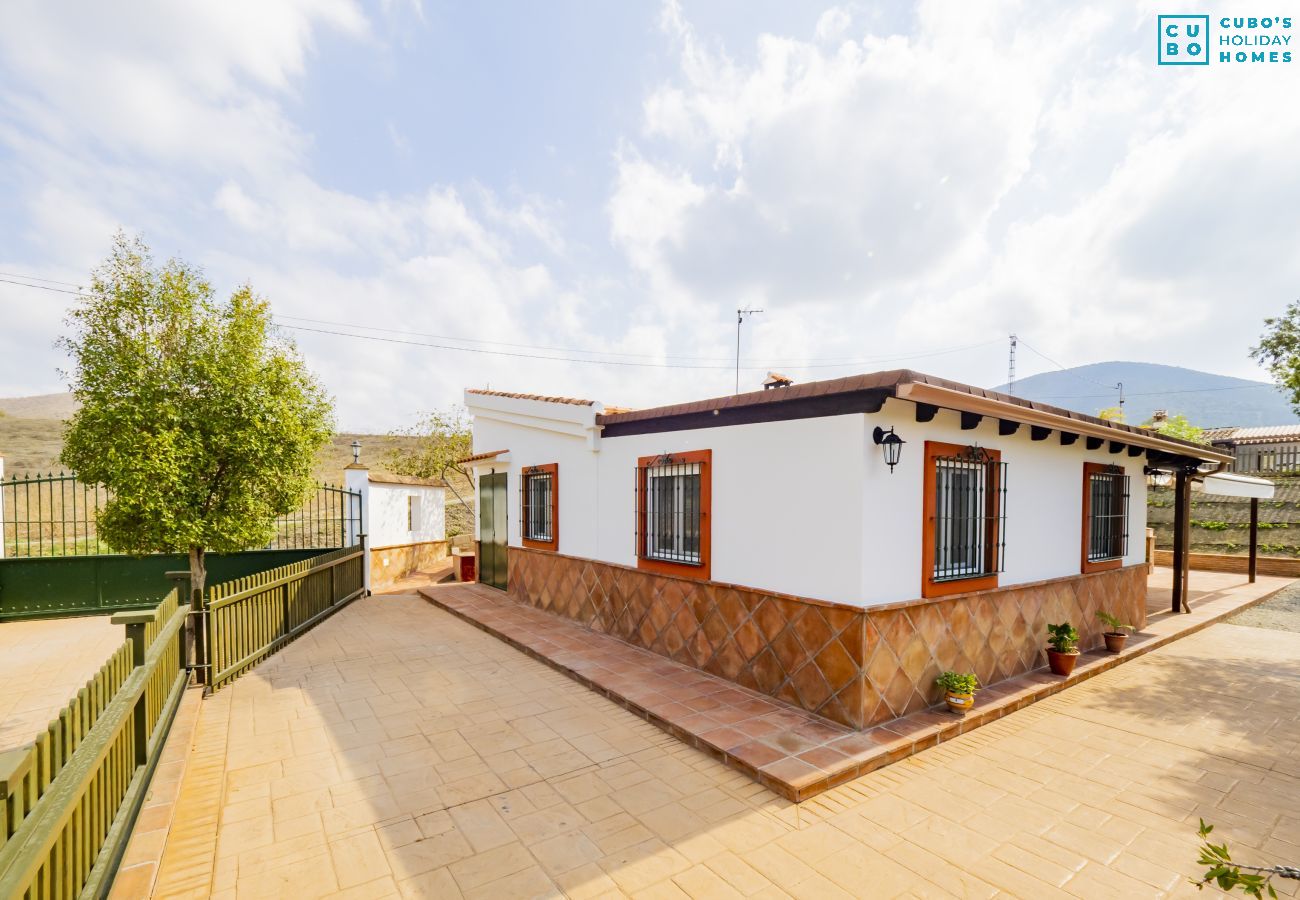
881, 188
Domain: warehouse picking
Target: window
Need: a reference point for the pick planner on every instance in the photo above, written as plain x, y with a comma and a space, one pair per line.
964, 519
673, 499
540, 487
1105, 516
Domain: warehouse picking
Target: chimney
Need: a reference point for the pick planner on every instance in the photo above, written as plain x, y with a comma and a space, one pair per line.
776, 380
1159, 417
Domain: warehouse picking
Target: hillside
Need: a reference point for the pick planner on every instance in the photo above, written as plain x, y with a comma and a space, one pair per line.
53, 407
1206, 399
31, 436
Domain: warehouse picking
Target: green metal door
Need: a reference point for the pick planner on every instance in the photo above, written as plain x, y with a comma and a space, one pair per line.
492, 525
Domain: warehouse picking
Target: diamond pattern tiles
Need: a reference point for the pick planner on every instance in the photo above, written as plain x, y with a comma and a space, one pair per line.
852, 666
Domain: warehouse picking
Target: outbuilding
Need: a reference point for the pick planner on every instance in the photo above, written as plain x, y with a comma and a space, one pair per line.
835, 544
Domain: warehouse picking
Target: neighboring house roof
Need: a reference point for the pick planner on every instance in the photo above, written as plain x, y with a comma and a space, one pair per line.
571, 401
478, 457
407, 479
865, 393
1256, 435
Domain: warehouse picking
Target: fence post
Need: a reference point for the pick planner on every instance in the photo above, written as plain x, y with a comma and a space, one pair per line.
2, 509
284, 603
135, 623
362, 539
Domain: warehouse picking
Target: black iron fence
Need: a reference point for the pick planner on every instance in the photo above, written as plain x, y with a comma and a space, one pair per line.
56, 515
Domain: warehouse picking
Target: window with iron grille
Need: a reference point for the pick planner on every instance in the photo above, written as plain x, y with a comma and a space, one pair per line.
540, 489
967, 517
1106, 492
672, 508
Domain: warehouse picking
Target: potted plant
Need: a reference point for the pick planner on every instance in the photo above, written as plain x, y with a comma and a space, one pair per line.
1116, 637
959, 690
1064, 650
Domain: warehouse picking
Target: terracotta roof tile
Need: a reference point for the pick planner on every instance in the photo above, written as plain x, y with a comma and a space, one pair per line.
571, 401
889, 381
480, 456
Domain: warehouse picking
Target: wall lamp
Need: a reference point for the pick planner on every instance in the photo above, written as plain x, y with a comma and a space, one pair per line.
890, 444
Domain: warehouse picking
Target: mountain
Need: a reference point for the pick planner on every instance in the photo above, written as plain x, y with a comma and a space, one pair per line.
56, 407
1206, 399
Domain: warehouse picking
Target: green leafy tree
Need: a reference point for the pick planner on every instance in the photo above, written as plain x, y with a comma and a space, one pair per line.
199, 419
1112, 414
1278, 351
1177, 426
442, 438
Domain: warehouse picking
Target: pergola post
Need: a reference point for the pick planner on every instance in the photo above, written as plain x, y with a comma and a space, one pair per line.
1254, 537
1182, 538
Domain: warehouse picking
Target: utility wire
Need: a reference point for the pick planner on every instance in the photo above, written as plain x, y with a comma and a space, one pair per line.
826, 362
1067, 370
841, 362
39, 278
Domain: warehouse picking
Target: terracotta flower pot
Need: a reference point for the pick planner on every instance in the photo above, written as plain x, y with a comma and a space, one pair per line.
1115, 640
1062, 663
959, 703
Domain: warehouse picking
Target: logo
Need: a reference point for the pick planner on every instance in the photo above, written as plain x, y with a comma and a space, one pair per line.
1183, 40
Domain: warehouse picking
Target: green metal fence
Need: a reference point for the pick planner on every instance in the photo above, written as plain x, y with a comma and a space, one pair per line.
42, 588
250, 618
55, 515
68, 800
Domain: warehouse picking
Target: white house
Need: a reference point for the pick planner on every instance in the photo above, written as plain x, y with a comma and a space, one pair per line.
835, 543
405, 523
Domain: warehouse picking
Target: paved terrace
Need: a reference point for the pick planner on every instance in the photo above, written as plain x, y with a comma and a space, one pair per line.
396, 750
43, 663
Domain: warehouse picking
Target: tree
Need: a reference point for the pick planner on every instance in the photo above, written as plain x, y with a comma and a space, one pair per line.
1279, 351
1112, 414
201, 422
1176, 426
442, 438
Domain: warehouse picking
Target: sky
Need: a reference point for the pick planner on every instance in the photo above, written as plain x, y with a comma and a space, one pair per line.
574, 198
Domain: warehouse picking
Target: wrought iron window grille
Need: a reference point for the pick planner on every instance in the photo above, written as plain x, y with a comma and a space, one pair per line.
669, 510
969, 515
1108, 496
538, 495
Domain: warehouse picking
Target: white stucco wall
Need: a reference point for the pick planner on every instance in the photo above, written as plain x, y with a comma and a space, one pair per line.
387, 517
1044, 501
808, 507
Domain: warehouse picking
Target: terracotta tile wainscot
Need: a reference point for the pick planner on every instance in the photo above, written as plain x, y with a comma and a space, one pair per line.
858, 667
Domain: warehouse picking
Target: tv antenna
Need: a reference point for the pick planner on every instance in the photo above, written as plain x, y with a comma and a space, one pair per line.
1011, 368
740, 318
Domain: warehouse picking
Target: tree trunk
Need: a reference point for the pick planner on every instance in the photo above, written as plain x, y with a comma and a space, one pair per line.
198, 583
198, 570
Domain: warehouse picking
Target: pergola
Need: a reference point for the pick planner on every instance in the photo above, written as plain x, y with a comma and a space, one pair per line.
1186, 472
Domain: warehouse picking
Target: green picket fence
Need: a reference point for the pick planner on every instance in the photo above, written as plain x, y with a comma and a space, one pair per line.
250, 618
67, 801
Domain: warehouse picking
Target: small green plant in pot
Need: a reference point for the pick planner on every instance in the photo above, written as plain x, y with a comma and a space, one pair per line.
1064, 650
1116, 637
958, 690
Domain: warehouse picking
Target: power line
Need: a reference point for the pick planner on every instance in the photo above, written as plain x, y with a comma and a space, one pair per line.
1066, 369
797, 363
41, 287
39, 278
1236, 387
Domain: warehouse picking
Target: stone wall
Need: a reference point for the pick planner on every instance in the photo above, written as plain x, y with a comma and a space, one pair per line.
392, 564
1286, 567
854, 666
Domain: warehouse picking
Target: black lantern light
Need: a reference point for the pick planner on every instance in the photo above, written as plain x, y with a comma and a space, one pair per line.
356, 453
890, 444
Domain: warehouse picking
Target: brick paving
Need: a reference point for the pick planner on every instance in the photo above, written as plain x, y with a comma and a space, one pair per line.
792, 751
43, 663
396, 750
